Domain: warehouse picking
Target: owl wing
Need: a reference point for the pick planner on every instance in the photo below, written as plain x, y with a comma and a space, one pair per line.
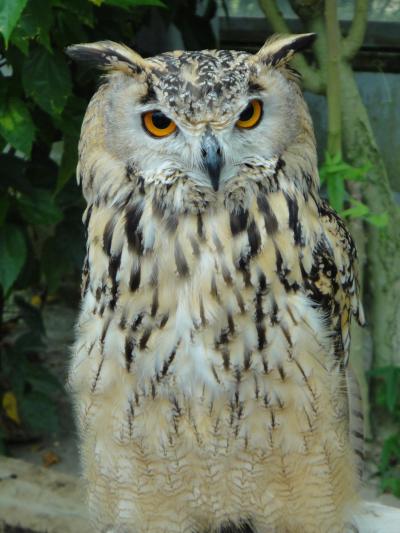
332, 282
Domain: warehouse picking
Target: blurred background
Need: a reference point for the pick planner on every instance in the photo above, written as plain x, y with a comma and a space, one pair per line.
351, 80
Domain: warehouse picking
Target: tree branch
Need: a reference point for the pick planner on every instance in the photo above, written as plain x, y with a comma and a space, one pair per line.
333, 87
308, 9
312, 79
274, 16
352, 43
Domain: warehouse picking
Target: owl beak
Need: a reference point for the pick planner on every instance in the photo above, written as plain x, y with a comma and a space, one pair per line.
212, 158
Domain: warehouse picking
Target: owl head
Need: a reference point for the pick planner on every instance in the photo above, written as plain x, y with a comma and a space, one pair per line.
191, 126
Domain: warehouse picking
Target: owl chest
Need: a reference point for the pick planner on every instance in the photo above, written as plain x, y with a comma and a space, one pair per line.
217, 315
209, 301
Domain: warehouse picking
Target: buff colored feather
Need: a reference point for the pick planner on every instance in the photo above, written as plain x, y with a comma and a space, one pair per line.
209, 369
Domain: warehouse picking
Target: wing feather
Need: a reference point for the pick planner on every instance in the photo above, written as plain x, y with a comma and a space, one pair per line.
333, 279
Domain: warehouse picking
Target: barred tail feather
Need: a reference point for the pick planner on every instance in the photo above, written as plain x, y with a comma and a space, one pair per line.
356, 419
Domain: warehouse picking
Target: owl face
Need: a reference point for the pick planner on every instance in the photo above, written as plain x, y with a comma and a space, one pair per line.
195, 122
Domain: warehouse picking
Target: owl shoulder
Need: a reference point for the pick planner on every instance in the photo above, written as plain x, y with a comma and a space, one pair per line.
333, 281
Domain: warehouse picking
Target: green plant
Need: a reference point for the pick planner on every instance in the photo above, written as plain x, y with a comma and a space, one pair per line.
28, 388
387, 397
42, 101
334, 173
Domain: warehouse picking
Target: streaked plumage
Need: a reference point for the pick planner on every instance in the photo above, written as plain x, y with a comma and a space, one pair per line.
209, 371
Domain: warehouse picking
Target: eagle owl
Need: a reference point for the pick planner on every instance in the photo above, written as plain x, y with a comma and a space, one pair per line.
210, 368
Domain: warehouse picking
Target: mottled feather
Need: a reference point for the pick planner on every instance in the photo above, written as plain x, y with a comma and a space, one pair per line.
210, 368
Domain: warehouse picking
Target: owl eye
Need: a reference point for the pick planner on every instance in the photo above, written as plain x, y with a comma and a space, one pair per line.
251, 115
158, 124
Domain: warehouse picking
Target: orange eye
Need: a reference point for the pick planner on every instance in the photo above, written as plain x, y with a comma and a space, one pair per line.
251, 115
158, 124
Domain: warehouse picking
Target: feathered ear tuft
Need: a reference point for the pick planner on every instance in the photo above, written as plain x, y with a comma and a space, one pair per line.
108, 55
279, 49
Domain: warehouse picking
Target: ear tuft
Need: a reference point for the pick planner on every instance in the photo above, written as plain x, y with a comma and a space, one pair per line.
279, 49
108, 55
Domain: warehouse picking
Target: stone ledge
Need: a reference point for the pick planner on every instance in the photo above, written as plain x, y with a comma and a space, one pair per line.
38, 500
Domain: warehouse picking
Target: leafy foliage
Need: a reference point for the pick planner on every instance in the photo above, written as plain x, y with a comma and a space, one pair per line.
387, 394
42, 101
10, 12
333, 174
28, 388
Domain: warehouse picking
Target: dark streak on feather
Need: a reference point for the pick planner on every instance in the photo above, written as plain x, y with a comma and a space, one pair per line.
171, 223
180, 261
240, 301
108, 235
200, 227
134, 280
261, 336
271, 223
96, 379
134, 235
247, 360
254, 238
225, 358
227, 276
149, 96
238, 220
113, 267
87, 217
294, 223
214, 289
136, 323
164, 320
202, 314
215, 374
129, 346
144, 339
154, 303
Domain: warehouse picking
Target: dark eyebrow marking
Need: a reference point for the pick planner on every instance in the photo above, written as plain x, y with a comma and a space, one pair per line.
255, 87
150, 96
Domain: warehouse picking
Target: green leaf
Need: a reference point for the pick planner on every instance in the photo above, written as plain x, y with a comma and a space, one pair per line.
62, 253
13, 172
3, 448
42, 380
357, 211
392, 390
12, 254
39, 207
391, 484
32, 317
336, 192
380, 220
390, 452
70, 122
127, 4
30, 341
82, 10
69, 161
35, 23
16, 125
55, 262
39, 412
10, 12
46, 79
4, 206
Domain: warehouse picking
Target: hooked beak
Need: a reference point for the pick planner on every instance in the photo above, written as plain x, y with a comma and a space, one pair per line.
212, 157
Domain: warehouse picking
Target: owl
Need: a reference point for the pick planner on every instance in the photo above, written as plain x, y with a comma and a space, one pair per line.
210, 369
